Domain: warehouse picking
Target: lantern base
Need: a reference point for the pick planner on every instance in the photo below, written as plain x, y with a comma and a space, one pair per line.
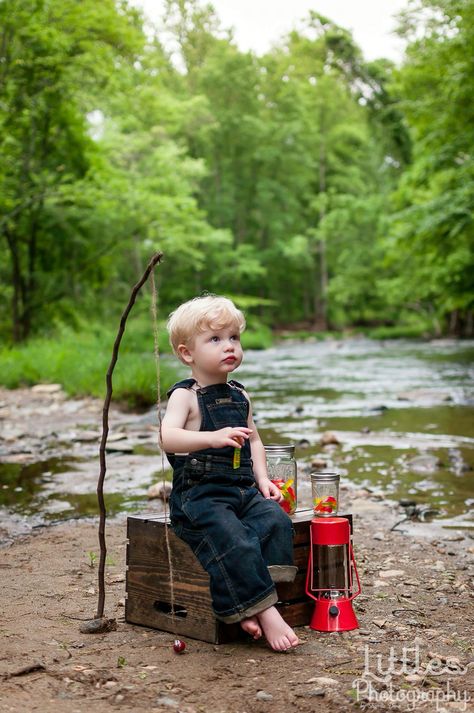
333, 615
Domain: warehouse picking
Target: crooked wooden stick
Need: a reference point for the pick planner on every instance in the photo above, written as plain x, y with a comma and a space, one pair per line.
105, 430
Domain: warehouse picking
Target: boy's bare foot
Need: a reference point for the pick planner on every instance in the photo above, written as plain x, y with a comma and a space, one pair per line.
251, 626
279, 635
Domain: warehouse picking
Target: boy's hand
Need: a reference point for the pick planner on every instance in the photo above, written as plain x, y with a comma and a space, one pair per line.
270, 490
229, 436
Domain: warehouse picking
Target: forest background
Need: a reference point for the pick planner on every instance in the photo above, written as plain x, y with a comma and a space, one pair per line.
321, 191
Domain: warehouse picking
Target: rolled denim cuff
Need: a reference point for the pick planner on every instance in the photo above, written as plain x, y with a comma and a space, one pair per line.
282, 572
260, 606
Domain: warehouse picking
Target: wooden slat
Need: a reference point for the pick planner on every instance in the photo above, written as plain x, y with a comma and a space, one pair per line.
288, 591
296, 614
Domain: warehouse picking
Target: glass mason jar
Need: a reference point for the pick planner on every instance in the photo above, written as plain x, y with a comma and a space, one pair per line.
325, 493
281, 466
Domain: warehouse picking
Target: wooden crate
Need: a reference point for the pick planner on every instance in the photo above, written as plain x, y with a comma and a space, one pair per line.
148, 600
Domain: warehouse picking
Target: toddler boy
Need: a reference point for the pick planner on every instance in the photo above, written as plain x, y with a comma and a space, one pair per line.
223, 503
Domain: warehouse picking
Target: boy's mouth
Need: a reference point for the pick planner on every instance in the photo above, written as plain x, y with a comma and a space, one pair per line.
230, 359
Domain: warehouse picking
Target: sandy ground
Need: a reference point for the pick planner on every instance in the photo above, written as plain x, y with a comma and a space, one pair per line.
413, 649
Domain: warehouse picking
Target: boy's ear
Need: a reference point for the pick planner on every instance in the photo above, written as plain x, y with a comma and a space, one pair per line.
184, 354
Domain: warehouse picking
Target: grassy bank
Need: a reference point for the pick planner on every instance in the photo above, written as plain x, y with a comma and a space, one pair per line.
409, 331
78, 360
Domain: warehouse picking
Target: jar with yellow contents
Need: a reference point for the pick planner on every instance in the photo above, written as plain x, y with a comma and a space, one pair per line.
282, 471
325, 493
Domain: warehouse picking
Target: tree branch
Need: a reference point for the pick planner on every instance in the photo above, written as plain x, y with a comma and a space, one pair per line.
105, 430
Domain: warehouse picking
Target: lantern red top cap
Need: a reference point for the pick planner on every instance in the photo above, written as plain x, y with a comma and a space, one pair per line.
330, 531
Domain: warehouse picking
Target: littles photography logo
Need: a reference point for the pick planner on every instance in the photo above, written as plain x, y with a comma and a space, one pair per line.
383, 678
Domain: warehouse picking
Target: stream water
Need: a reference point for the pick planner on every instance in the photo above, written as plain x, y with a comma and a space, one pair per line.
403, 412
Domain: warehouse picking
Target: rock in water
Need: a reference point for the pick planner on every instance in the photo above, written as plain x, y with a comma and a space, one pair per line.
318, 463
159, 490
424, 463
328, 438
98, 626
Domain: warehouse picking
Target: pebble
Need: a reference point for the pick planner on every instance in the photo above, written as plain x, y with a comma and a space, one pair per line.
160, 491
322, 681
424, 464
46, 388
378, 536
117, 436
167, 702
315, 693
98, 626
119, 448
328, 437
413, 678
264, 696
391, 573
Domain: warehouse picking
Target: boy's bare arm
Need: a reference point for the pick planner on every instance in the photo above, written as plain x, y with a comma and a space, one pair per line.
177, 439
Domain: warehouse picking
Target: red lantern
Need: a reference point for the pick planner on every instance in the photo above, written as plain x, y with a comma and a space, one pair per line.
329, 579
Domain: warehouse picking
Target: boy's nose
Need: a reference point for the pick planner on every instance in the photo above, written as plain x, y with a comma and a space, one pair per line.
229, 347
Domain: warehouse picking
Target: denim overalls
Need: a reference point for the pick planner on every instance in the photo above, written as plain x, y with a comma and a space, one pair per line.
243, 540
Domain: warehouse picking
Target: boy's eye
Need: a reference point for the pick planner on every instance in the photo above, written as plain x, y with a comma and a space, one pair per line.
214, 339
235, 337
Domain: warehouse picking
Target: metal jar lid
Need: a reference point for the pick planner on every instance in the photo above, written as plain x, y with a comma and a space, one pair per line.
280, 450
325, 477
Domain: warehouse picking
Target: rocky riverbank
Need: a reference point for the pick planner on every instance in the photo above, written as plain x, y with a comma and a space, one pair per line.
413, 647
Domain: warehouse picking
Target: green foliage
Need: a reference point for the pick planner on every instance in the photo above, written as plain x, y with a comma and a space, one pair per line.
54, 56
319, 190
432, 224
260, 337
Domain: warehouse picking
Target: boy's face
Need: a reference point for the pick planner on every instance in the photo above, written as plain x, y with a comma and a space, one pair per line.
213, 354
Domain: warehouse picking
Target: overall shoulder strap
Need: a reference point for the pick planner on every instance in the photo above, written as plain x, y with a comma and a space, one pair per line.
236, 385
184, 384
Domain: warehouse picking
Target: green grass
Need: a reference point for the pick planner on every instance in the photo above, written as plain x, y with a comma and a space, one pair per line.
257, 336
305, 334
78, 360
417, 331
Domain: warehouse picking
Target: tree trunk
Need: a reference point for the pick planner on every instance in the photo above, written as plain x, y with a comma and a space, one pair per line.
320, 303
18, 288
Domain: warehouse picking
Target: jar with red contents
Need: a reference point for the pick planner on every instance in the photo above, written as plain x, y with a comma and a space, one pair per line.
281, 467
325, 493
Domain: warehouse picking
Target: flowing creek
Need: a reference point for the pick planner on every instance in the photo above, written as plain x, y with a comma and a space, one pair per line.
403, 413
